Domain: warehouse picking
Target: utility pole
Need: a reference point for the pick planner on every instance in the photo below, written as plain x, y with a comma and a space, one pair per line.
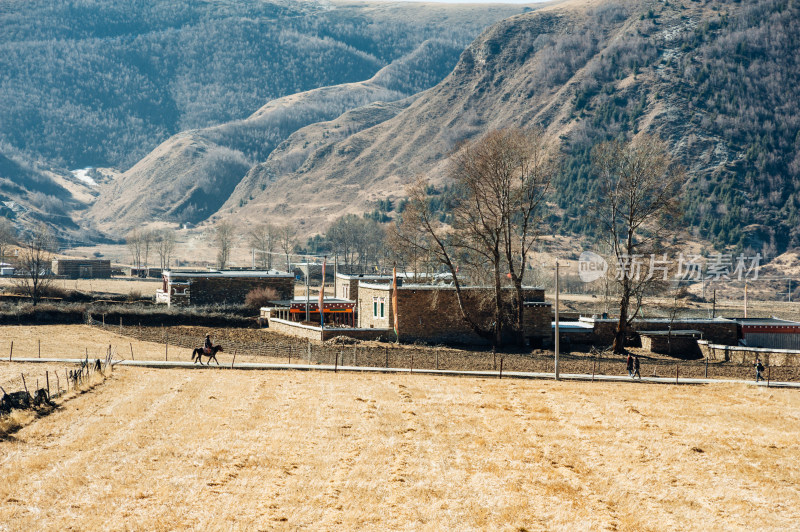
557, 332
308, 317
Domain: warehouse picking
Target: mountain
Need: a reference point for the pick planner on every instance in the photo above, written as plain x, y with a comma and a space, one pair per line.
107, 83
718, 80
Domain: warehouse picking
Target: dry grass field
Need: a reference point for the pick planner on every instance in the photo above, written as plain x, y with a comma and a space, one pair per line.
169, 449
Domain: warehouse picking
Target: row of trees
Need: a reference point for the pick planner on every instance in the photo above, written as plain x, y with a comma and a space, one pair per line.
502, 182
143, 243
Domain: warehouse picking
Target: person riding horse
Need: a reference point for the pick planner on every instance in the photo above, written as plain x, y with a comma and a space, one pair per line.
208, 346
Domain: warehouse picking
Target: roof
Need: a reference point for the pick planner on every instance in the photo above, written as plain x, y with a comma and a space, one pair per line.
765, 322
658, 320
302, 301
406, 286
677, 332
227, 274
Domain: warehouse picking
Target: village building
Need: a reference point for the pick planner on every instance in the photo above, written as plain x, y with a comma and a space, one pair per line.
82, 268
220, 286
773, 333
431, 313
337, 312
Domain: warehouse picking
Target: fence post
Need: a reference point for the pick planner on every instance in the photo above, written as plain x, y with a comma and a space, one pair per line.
706, 367
25, 385
66, 377
411, 369
166, 348
501, 366
290, 354
769, 374
58, 384
336, 361
676, 373
594, 362
308, 344
40, 352
131, 344
11, 352
47, 378
437, 360
234, 358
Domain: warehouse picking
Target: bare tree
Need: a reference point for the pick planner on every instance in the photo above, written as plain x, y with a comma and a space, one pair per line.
223, 237
35, 259
148, 237
636, 208
505, 176
8, 237
264, 239
286, 242
134, 243
165, 245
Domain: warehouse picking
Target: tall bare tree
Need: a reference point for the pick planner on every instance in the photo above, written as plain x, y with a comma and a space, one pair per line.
165, 246
8, 237
505, 177
134, 243
264, 239
501, 181
35, 259
223, 238
148, 238
286, 242
636, 208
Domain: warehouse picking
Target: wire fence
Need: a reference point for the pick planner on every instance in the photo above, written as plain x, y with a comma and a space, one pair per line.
290, 350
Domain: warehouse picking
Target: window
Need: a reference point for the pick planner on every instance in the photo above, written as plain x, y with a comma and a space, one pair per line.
382, 305
374, 307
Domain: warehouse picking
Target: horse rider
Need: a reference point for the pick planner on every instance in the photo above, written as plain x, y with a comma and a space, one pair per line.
208, 346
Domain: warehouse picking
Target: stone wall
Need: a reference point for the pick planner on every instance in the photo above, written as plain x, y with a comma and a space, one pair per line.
233, 290
747, 355
431, 314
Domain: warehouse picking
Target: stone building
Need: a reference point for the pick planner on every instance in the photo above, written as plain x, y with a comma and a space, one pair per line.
82, 268
220, 287
431, 313
346, 285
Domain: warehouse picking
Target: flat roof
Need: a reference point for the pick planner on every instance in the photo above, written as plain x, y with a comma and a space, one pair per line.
406, 286
658, 320
773, 321
228, 273
312, 300
678, 332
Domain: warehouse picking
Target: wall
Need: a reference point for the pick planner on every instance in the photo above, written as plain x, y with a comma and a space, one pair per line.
748, 355
82, 268
297, 330
233, 290
718, 331
681, 346
431, 314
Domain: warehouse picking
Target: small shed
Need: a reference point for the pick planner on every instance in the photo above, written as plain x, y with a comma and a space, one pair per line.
680, 343
82, 268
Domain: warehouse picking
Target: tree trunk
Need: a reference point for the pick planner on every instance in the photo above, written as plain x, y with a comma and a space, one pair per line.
622, 324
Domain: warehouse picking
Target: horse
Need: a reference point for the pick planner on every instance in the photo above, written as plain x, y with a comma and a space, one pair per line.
199, 353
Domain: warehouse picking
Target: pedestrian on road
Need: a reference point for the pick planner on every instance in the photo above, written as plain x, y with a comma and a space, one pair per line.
630, 366
759, 368
636, 368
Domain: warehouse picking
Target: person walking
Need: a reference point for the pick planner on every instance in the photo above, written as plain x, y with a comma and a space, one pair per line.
630, 366
759, 368
636, 368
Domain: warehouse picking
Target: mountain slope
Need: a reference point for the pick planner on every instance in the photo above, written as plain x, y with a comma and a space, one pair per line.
718, 80
189, 176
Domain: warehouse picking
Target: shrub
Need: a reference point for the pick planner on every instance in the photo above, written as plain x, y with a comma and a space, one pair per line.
259, 297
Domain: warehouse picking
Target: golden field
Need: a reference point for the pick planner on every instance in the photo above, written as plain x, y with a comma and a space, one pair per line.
230, 449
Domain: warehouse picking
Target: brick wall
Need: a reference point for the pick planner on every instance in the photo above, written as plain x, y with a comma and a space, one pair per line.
678, 346
431, 314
